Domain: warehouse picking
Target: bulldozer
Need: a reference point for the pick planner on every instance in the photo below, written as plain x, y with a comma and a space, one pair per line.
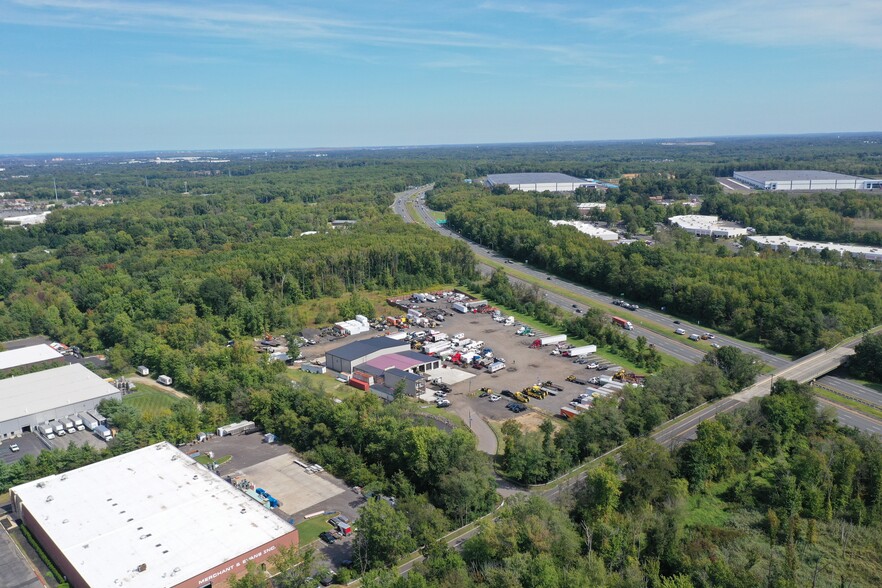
520, 397
534, 392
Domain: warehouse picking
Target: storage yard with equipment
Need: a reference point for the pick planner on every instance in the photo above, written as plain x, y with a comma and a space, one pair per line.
479, 356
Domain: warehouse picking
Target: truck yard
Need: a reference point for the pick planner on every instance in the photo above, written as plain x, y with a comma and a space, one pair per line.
530, 368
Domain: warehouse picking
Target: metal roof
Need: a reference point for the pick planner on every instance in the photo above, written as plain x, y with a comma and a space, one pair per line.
405, 375
534, 178
794, 175
358, 349
27, 355
154, 506
49, 389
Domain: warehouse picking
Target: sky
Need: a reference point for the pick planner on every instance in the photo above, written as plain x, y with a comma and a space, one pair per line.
108, 75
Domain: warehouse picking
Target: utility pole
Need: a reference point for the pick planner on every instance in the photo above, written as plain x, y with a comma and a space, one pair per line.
55, 186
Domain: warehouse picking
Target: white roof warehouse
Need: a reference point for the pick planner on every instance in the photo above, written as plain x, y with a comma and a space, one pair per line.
152, 518
26, 401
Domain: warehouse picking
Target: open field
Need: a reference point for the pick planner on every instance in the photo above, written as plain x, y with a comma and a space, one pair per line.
151, 402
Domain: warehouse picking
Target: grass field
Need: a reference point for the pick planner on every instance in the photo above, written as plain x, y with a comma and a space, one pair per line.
205, 460
151, 401
848, 403
310, 529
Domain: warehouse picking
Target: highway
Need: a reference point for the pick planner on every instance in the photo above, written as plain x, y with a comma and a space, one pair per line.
811, 367
850, 388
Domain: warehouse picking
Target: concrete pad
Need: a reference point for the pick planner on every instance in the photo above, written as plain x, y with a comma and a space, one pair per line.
290, 484
450, 376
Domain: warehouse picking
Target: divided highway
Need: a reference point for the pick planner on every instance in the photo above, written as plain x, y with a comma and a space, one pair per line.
804, 370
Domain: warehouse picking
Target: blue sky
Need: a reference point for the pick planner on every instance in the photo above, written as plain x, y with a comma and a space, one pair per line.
108, 75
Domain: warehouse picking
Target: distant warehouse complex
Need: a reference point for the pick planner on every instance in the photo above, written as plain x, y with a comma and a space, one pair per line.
151, 518
48, 396
26, 357
541, 182
780, 242
788, 179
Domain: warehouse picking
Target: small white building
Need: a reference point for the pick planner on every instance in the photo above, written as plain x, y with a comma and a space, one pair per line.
705, 225
777, 242
586, 208
589, 229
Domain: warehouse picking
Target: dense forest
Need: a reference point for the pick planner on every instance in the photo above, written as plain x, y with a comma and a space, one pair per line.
194, 255
791, 306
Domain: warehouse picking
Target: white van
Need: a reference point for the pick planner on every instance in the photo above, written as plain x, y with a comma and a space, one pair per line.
694, 337
680, 331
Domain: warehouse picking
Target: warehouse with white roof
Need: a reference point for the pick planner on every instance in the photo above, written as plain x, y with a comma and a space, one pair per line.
807, 179
24, 357
589, 229
777, 242
706, 225
151, 518
540, 182
49, 395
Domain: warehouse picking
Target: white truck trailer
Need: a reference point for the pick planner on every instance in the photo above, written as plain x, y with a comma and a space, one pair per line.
88, 421
47, 431
78, 422
580, 351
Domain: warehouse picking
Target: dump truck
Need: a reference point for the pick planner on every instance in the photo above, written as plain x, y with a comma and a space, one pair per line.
579, 351
622, 323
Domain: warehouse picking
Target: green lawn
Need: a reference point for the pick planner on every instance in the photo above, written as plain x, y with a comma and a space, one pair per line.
310, 529
151, 401
848, 403
205, 460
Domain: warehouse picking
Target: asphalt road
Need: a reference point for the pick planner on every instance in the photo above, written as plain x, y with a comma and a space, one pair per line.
850, 388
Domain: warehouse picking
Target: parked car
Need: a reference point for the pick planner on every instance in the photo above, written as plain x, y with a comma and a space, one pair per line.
495, 398
327, 537
592, 366
442, 403
14, 448
716, 345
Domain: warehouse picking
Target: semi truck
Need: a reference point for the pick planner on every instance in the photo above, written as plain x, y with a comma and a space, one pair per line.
88, 421
580, 351
549, 340
622, 323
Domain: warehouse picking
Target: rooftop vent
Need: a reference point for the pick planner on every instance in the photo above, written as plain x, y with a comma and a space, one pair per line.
142, 567
49, 498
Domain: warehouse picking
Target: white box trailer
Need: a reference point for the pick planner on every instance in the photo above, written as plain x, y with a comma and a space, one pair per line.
494, 367
459, 307
164, 380
436, 347
143, 370
552, 339
580, 351
88, 421
58, 426
47, 431
68, 425
103, 433
78, 423
97, 416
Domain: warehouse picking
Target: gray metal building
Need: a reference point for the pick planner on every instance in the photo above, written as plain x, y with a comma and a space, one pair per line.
806, 179
50, 395
345, 357
539, 182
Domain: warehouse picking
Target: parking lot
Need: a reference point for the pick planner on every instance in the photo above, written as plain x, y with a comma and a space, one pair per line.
271, 466
524, 367
28, 444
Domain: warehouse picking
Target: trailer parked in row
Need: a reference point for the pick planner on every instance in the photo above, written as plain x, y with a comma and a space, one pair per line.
548, 340
580, 351
88, 421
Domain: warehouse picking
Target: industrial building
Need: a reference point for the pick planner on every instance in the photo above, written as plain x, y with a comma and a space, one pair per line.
782, 242
540, 182
151, 518
705, 225
589, 229
24, 357
586, 208
809, 179
346, 357
49, 395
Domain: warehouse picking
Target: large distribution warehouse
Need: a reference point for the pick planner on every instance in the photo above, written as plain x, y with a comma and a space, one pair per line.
26, 401
809, 179
540, 182
151, 518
